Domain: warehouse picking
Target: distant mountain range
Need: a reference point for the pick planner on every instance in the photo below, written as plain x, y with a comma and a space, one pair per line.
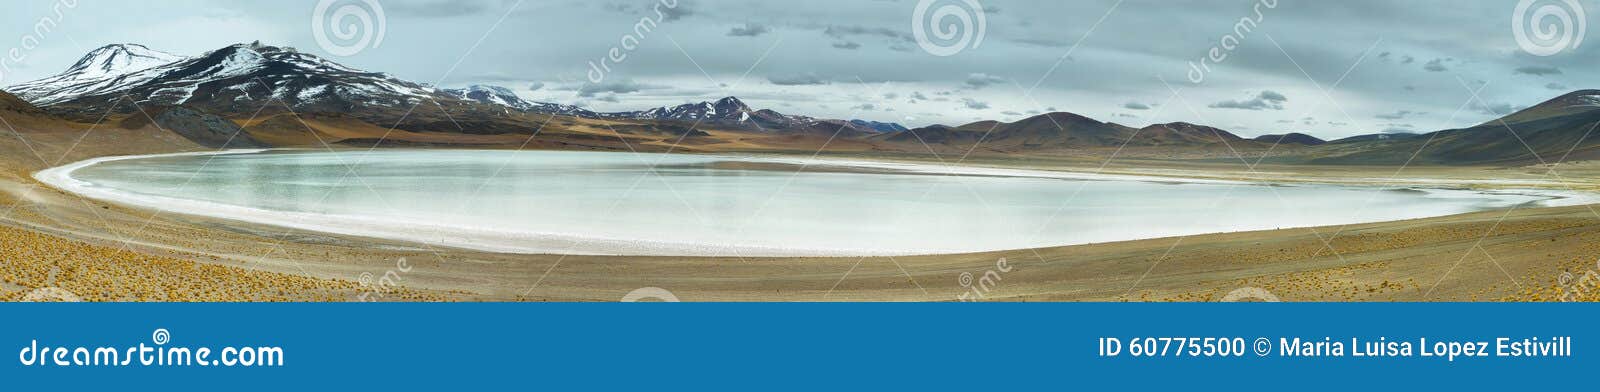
1062, 130
1562, 127
244, 78
279, 96
496, 95
1291, 138
237, 78
1376, 136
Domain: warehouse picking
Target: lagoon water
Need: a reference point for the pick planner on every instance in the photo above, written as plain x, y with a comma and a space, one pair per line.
698, 205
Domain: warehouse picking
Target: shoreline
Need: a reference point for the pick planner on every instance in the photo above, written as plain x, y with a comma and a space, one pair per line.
429, 234
1511, 255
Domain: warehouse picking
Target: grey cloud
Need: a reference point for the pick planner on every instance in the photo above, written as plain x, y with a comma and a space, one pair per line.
499, 77
974, 104
437, 9
1498, 109
1045, 42
1266, 100
1537, 70
624, 86
1396, 127
1397, 115
847, 45
618, 7
1555, 86
807, 79
1435, 65
1135, 106
981, 80
748, 30
535, 86
674, 13
837, 31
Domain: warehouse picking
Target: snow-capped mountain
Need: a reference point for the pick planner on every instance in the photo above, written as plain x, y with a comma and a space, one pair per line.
729, 109
103, 70
238, 78
725, 111
246, 80
496, 95
490, 94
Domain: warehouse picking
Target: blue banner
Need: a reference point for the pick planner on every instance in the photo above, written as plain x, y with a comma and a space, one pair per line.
684, 346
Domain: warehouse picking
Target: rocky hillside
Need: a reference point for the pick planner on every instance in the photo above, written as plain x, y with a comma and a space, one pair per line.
1062, 130
1564, 126
11, 103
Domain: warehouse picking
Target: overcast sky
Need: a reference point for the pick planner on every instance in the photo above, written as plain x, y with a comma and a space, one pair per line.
1412, 65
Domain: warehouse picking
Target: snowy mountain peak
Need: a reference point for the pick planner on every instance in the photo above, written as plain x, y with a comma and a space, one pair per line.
236, 60
490, 89
230, 78
490, 94
728, 109
496, 95
104, 68
119, 59
729, 105
245, 78
724, 111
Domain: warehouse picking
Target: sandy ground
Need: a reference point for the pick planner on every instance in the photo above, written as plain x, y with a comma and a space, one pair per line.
103, 251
